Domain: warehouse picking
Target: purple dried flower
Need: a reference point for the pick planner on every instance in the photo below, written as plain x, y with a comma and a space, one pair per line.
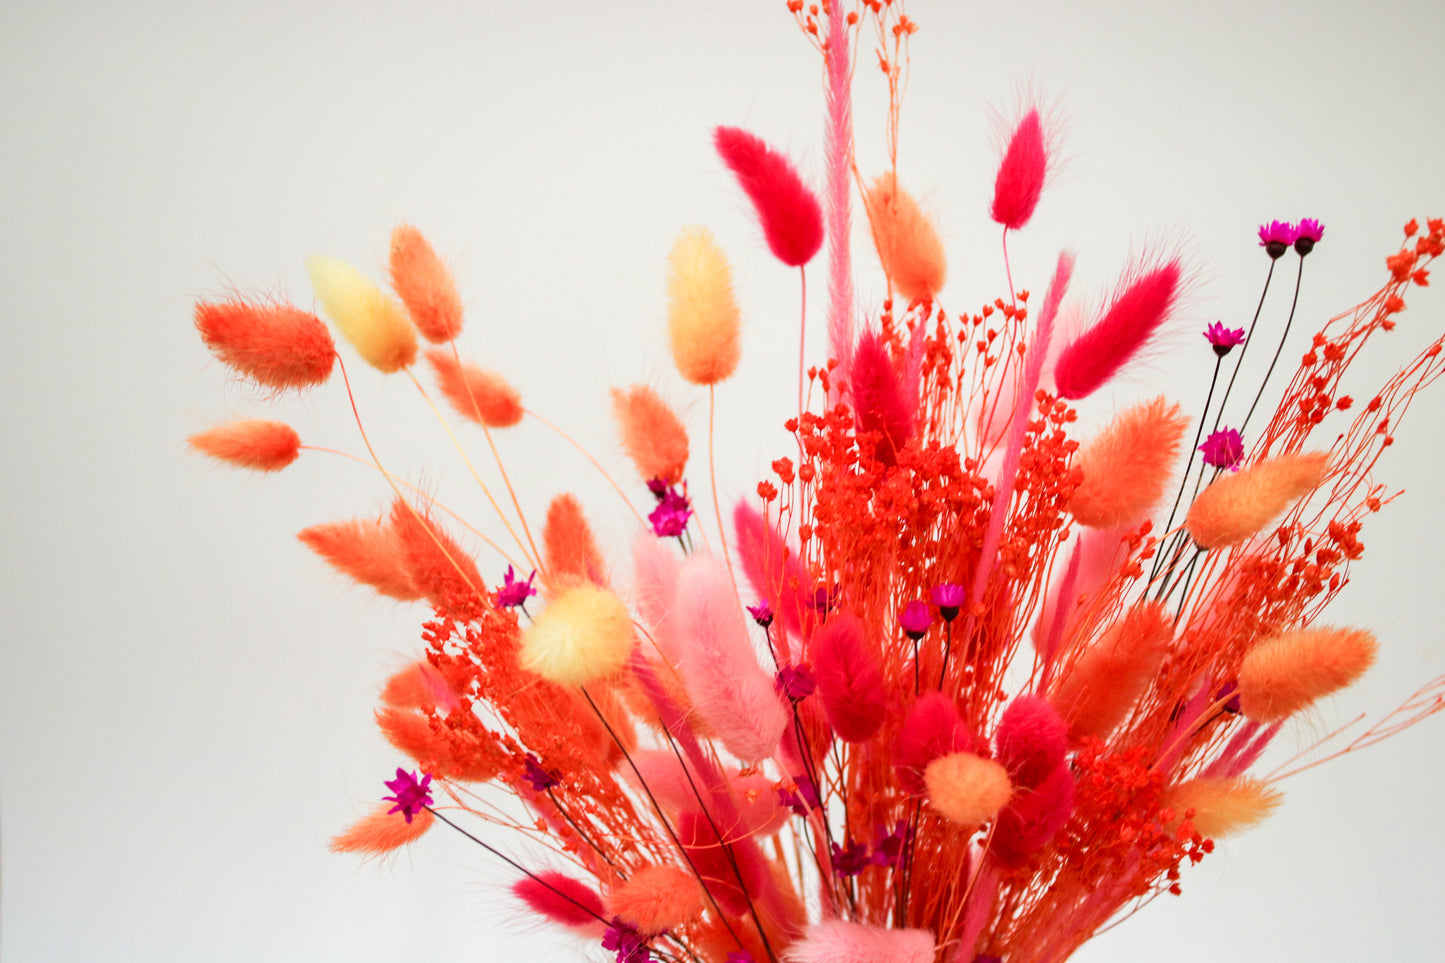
658, 487
1221, 339
739, 956
670, 516
801, 800
1229, 695
410, 796
630, 945
538, 778
1223, 449
1276, 237
850, 861
796, 682
889, 846
1310, 232
824, 598
915, 619
762, 614
514, 593
948, 597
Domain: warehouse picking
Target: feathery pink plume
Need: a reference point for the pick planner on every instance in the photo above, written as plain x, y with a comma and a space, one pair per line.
839, 149
836, 941
719, 667
1021, 174
276, 345
850, 679
425, 285
366, 550
560, 898
652, 434
657, 898
779, 580
654, 586
933, 727
438, 567
250, 443
1134, 315
1031, 740
1034, 817
879, 401
791, 218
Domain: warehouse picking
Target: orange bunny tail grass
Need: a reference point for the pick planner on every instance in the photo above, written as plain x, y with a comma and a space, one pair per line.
418, 686
436, 565
1222, 807
1100, 688
571, 549
1237, 506
250, 443
657, 898
585, 634
1287, 673
425, 286
483, 396
375, 324
907, 242
366, 550
1127, 467
382, 832
702, 317
966, 788
412, 733
275, 345
652, 435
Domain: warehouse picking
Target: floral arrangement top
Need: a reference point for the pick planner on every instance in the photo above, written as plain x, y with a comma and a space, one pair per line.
941, 689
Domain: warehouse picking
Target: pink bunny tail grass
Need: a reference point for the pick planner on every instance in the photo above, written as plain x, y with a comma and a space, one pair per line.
367, 551
791, 218
1100, 552
1100, 688
382, 832
652, 434
560, 899
840, 164
908, 244
419, 686
1034, 817
657, 898
772, 571
729, 689
654, 586
880, 403
1289, 672
1031, 740
1127, 467
836, 941
425, 285
475, 393
1239, 505
1221, 807
933, 727
277, 346
250, 443
1021, 174
570, 547
439, 569
850, 678
1134, 315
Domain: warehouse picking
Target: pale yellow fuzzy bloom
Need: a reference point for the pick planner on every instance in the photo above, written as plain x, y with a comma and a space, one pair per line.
583, 635
374, 323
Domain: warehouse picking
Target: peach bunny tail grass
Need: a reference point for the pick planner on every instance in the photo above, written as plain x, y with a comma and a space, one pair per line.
1127, 467
966, 788
374, 323
907, 242
475, 393
585, 634
1222, 807
657, 898
652, 434
1100, 688
367, 551
703, 321
425, 285
250, 443
836, 941
1237, 506
276, 345
1289, 672
382, 832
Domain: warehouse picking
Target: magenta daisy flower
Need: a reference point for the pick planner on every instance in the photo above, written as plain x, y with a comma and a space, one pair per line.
1276, 237
915, 619
1310, 232
1221, 339
410, 795
514, 593
1223, 449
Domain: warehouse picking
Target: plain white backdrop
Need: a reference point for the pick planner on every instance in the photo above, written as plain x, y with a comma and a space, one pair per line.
185, 694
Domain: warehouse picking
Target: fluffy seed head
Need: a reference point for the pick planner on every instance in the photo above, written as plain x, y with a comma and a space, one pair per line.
366, 550
652, 435
907, 242
1100, 688
571, 549
933, 727
275, 345
1135, 314
1034, 817
836, 941
1031, 740
1237, 506
879, 401
702, 318
1222, 807
375, 324
1126, 468
425, 285
583, 635
439, 569
790, 215
657, 898
1021, 174
560, 898
382, 831
967, 789
250, 443
1283, 675
850, 679
483, 396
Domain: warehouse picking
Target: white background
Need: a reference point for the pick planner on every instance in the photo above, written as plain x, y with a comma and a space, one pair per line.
185, 693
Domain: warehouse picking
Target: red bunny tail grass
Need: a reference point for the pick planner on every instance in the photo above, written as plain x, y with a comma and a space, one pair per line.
1031, 740
382, 832
1034, 817
657, 898
571, 549
1133, 317
1021, 174
1222, 807
1287, 673
438, 567
933, 727
838, 942
652, 435
850, 679
366, 550
907, 242
425, 286
560, 898
879, 401
483, 396
1100, 688
275, 345
1127, 467
1237, 506
250, 443
790, 215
